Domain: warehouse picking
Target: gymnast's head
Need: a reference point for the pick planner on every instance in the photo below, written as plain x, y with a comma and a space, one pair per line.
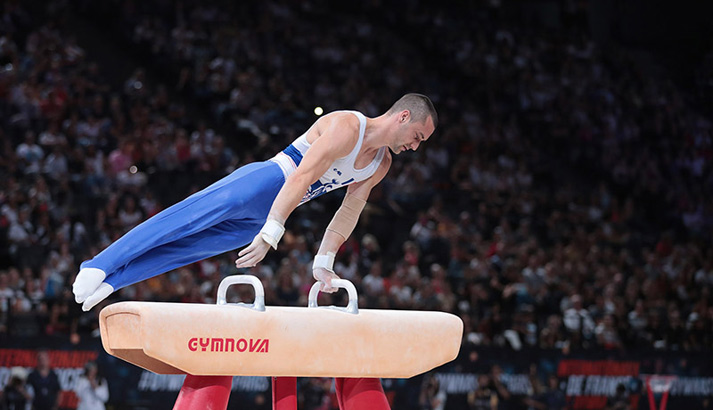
415, 118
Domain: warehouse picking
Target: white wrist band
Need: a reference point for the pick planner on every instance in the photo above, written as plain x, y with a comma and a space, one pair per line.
272, 232
324, 261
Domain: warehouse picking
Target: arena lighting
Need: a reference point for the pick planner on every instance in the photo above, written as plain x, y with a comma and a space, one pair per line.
318, 111
133, 169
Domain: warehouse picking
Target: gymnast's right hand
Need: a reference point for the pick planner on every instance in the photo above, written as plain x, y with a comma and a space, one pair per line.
253, 254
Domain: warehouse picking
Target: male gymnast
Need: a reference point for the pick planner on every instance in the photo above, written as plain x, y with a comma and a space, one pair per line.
342, 148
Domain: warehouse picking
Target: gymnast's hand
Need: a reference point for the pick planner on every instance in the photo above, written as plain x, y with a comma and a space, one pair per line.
325, 278
253, 254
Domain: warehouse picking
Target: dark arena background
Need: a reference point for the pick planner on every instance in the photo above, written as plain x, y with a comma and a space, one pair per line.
562, 209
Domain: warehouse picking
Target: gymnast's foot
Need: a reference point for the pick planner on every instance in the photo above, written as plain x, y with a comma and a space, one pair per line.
100, 294
87, 282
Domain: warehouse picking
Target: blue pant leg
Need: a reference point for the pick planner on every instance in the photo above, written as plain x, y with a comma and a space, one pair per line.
234, 197
215, 240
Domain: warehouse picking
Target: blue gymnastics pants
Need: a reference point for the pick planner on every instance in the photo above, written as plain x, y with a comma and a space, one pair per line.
220, 218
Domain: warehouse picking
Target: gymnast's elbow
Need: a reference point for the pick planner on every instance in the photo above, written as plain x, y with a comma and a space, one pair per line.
301, 180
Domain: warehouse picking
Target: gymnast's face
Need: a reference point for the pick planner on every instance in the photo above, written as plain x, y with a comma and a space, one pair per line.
410, 133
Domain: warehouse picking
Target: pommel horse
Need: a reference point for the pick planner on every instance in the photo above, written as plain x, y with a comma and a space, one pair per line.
213, 343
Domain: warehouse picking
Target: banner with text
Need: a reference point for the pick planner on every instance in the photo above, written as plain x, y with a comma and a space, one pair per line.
587, 380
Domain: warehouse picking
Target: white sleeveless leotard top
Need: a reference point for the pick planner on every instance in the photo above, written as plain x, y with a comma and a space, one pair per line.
342, 171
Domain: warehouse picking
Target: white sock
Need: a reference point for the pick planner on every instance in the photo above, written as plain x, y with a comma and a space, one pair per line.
87, 282
102, 292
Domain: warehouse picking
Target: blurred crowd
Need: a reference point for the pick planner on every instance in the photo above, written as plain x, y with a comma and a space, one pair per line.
564, 202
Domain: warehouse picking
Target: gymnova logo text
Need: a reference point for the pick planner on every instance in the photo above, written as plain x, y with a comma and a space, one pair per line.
217, 344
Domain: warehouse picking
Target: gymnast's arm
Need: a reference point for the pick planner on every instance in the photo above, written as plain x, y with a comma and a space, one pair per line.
342, 225
336, 141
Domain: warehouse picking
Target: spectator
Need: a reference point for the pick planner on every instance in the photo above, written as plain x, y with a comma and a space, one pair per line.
15, 395
578, 321
44, 383
433, 397
620, 400
129, 215
485, 396
7, 300
606, 333
30, 154
552, 335
91, 389
552, 398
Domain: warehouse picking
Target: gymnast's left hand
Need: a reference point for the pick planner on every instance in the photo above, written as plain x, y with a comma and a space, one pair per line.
253, 254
